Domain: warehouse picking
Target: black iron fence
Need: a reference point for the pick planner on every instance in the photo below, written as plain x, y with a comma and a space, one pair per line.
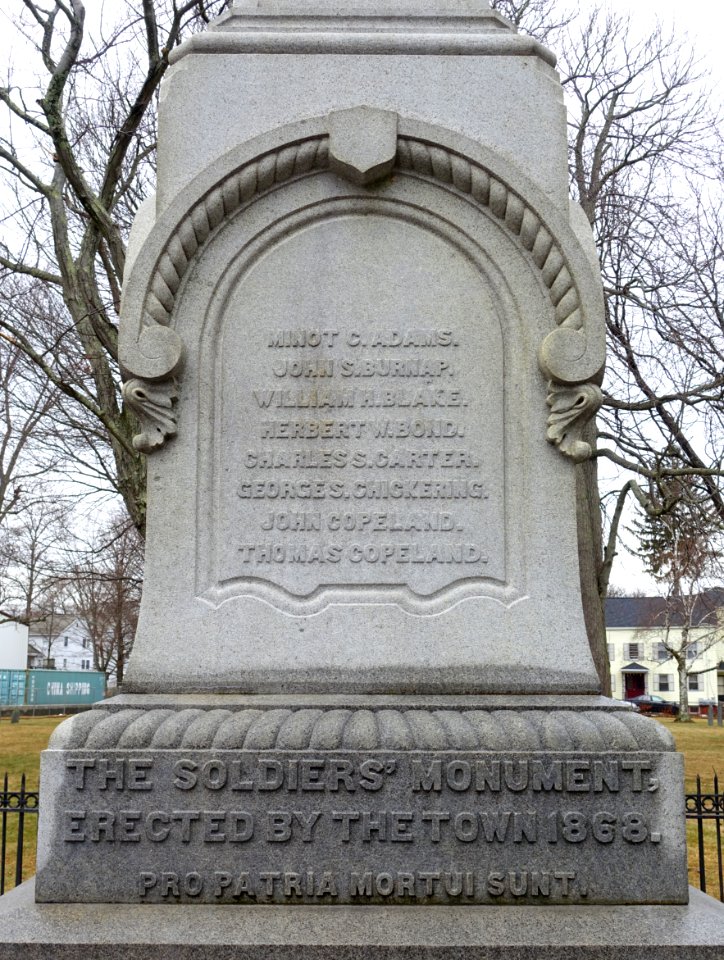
707, 812
15, 807
704, 809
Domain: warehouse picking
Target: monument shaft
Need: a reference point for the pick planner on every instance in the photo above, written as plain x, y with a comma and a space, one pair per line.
363, 294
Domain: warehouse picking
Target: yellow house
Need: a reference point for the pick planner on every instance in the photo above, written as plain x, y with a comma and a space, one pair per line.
642, 632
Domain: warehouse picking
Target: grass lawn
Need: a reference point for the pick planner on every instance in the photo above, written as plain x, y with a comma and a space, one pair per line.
702, 746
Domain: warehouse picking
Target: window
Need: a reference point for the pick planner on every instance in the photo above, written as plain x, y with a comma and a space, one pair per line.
692, 651
694, 682
86, 641
660, 652
65, 641
664, 682
65, 664
633, 651
611, 651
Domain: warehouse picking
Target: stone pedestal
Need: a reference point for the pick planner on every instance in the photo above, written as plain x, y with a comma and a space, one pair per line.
378, 800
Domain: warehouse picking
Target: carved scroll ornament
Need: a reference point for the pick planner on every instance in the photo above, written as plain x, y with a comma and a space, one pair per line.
153, 405
571, 357
571, 409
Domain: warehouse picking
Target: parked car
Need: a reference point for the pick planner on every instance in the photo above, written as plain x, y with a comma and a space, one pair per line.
649, 703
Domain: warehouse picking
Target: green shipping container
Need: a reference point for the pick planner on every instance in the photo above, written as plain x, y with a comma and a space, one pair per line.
12, 687
64, 687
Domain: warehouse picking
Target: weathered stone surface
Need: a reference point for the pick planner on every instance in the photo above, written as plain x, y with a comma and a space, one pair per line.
30, 931
364, 461
376, 802
373, 723
457, 64
342, 334
363, 144
330, 827
363, 334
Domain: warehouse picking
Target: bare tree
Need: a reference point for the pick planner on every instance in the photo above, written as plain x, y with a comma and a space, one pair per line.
618, 590
645, 166
689, 627
49, 620
26, 408
682, 549
105, 581
542, 19
76, 159
33, 558
54, 573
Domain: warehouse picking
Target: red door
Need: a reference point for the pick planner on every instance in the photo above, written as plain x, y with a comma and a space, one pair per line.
634, 685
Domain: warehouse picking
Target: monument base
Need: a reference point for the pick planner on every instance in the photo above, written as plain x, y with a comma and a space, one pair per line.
368, 801
30, 931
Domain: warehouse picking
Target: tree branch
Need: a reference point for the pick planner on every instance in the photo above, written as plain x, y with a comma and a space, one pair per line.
16, 267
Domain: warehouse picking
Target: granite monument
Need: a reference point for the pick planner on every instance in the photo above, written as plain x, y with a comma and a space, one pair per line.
362, 332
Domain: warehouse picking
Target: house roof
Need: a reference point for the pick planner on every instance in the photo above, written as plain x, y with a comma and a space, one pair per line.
634, 668
52, 626
656, 611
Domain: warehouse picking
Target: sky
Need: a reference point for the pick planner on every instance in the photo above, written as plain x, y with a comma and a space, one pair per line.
701, 20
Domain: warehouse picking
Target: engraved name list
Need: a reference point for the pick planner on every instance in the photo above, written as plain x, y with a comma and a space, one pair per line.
366, 441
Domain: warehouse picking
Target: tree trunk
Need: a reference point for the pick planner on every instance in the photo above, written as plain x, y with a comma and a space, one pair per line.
120, 661
120, 647
683, 689
590, 559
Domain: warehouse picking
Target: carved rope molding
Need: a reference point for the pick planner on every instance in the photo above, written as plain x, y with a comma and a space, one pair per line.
340, 729
560, 353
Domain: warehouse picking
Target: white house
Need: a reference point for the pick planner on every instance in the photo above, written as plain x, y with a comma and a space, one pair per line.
13, 646
60, 641
635, 630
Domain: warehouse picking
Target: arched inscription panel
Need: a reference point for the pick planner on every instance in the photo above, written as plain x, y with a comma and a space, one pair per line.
360, 415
